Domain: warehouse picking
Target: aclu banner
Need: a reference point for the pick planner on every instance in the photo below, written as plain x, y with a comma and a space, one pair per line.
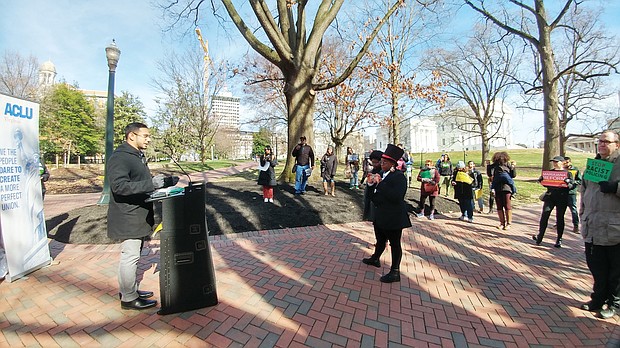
23, 237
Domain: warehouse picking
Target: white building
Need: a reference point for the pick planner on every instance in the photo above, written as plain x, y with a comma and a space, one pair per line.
456, 130
416, 135
225, 108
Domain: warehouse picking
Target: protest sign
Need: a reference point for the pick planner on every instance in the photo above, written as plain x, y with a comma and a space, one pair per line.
597, 170
554, 178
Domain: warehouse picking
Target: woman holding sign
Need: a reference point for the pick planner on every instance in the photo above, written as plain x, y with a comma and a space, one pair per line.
558, 182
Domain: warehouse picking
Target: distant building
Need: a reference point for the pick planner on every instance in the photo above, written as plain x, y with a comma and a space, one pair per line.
225, 108
582, 144
418, 136
457, 132
47, 75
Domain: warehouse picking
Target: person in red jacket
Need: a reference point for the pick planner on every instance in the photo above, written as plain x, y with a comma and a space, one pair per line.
429, 177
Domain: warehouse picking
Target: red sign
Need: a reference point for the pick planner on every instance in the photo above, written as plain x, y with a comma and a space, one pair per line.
554, 178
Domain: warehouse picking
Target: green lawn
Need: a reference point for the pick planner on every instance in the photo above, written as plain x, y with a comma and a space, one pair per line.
192, 167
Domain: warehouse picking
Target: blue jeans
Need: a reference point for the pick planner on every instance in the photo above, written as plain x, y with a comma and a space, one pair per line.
300, 178
467, 207
353, 182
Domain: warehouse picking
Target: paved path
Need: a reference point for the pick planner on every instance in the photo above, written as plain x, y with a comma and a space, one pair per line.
463, 285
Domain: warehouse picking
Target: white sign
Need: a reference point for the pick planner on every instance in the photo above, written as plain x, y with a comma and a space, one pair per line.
23, 237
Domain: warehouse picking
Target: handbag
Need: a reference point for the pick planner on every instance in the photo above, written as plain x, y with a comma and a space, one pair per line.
347, 173
429, 188
545, 196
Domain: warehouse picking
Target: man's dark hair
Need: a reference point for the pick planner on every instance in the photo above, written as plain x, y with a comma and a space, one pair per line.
566, 158
133, 128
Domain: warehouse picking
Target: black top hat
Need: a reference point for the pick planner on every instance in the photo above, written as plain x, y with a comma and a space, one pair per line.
393, 152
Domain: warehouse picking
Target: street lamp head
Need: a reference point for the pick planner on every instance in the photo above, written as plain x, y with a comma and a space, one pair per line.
112, 53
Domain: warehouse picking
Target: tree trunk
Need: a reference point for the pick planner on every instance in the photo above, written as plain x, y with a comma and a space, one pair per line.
550, 101
485, 143
300, 105
395, 119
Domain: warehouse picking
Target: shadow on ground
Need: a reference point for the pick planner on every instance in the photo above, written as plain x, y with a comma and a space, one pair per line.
238, 206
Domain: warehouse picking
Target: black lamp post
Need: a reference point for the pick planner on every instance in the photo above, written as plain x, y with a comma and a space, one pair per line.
112, 53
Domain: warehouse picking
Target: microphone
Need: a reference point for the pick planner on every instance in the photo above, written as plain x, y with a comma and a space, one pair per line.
177, 164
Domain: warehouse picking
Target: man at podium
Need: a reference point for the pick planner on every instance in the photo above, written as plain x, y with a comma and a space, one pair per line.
130, 218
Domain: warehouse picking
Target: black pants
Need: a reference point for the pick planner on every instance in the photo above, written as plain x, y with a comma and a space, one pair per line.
560, 204
431, 202
604, 264
383, 236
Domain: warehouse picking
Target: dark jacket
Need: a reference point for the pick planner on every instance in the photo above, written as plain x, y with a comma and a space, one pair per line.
303, 155
329, 165
267, 177
576, 177
502, 185
479, 180
463, 190
389, 200
130, 184
369, 207
445, 168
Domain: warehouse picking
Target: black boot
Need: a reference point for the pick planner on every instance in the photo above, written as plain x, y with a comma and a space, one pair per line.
372, 261
393, 276
537, 239
558, 243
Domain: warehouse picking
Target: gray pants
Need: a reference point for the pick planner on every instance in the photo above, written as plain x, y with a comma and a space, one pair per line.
128, 266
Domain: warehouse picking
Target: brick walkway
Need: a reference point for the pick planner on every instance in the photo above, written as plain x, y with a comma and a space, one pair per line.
463, 285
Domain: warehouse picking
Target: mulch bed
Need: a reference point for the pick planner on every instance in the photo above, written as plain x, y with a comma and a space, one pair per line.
237, 206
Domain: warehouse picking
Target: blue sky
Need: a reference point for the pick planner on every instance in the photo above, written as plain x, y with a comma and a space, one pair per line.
74, 34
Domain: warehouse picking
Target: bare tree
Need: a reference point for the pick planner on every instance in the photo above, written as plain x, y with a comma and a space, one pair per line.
184, 115
264, 91
391, 69
582, 47
349, 107
19, 75
479, 80
290, 45
532, 24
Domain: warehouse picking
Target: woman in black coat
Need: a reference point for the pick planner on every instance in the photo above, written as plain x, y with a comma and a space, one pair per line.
388, 198
267, 177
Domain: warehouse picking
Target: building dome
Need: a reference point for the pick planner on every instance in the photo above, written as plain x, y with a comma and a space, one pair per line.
48, 66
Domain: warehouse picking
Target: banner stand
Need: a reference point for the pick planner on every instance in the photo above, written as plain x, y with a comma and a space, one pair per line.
22, 221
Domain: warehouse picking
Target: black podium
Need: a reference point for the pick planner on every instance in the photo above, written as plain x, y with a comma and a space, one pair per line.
186, 276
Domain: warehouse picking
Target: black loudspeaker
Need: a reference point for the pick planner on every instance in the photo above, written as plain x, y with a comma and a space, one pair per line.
186, 276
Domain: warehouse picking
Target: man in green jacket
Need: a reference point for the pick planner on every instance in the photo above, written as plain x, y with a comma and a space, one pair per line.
572, 193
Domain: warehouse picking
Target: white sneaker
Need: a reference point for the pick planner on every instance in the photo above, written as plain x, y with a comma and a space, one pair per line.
266, 200
420, 215
431, 217
270, 200
462, 218
470, 220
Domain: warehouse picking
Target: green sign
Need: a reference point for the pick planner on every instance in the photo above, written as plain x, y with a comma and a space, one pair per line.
597, 170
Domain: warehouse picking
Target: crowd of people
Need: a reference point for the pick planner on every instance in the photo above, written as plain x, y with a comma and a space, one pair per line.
386, 177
